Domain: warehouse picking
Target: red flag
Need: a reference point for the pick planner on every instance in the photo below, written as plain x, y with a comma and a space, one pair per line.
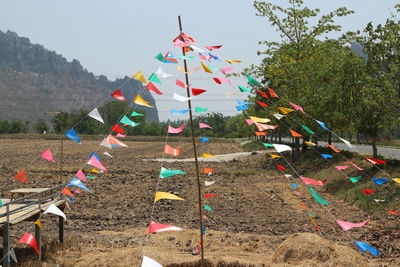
209, 195
196, 91
118, 95
295, 134
67, 192
151, 87
188, 49
21, 176
213, 47
311, 181
116, 128
367, 191
208, 170
393, 212
262, 104
158, 227
172, 151
333, 148
28, 239
263, 94
280, 167
181, 84
272, 92
375, 161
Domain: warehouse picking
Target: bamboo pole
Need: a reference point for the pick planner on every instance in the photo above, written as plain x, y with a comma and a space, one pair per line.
194, 151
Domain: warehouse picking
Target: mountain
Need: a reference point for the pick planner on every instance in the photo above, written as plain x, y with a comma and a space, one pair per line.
34, 80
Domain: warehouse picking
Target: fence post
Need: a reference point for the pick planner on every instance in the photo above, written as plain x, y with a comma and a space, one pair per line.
6, 238
38, 233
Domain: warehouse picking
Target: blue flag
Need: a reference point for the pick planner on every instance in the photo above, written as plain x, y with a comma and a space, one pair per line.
78, 183
240, 102
204, 139
179, 112
379, 181
72, 134
364, 247
294, 185
322, 124
326, 156
96, 156
242, 107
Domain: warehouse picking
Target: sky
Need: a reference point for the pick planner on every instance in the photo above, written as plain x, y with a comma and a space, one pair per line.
118, 38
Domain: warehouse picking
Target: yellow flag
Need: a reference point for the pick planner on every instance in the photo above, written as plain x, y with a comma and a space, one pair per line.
139, 76
140, 101
94, 170
309, 143
285, 111
205, 155
230, 61
163, 195
262, 120
275, 156
397, 180
194, 69
205, 68
39, 223
180, 69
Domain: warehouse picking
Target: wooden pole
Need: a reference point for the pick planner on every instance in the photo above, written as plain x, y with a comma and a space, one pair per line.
61, 228
194, 152
38, 233
62, 153
6, 238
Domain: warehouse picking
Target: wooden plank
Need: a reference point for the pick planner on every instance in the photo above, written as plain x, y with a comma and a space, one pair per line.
29, 190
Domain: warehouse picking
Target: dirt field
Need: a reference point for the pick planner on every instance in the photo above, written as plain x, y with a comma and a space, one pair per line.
254, 211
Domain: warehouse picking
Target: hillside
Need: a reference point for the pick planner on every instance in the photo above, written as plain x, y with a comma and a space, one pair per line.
34, 80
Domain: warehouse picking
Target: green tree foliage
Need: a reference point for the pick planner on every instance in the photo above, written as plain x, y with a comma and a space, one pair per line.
40, 126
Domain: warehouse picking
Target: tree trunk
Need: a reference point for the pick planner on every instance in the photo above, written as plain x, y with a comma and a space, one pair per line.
374, 148
304, 146
280, 135
330, 138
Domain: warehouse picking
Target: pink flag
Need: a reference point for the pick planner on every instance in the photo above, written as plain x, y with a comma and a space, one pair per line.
341, 168
172, 151
203, 125
297, 193
176, 130
221, 80
352, 163
81, 175
47, 155
311, 181
226, 70
249, 121
296, 107
77, 191
181, 84
120, 135
96, 163
348, 225
262, 127
158, 227
114, 141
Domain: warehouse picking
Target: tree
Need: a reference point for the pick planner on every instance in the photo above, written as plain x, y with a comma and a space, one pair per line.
40, 126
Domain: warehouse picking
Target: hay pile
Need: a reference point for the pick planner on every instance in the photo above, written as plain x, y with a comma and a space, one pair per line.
305, 249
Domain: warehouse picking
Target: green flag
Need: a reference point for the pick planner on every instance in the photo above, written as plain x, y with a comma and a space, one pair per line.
213, 68
268, 145
154, 78
127, 121
308, 130
1, 203
355, 179
317, 197
199, 109
244, 89
136, 114
206, 207
186, 57
91, 177
165, 173
251, 80
160, 57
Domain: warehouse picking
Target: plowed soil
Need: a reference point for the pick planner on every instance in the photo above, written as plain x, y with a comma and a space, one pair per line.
254, 211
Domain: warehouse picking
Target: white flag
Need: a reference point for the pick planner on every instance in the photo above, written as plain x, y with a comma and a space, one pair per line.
279, 116
54, 210
181, 98
96, 115
231, 93
196, 49
347, 143
206, 183
148, 262
106, 144
161, 74
282, 148
108, 154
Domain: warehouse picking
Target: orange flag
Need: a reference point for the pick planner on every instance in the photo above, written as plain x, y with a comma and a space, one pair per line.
21, 176
260, 133
67, 192
172, 151
272, 92
303, 206
393, 212
208, 170
295, 134
333, 148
